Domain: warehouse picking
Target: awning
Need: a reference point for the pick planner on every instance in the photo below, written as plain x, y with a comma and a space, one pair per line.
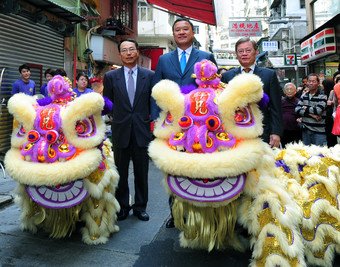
201, 10
54, 7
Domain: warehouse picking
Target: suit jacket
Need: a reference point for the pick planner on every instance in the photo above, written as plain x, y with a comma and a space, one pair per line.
272, 113
168, 67
126, 118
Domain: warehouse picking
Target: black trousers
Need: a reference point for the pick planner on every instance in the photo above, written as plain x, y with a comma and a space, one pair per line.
140, 160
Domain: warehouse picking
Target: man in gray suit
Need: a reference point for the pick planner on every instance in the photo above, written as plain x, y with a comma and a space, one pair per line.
129, 88
246, 51
178, 65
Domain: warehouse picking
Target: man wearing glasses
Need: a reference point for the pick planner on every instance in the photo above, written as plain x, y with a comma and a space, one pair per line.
129, 88
246, 51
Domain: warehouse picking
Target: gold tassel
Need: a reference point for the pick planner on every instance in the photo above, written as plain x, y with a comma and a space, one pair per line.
208, 227
57, 222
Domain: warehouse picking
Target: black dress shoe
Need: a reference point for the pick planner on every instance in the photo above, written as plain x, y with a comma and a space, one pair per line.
170, 223
142, 215
122, 214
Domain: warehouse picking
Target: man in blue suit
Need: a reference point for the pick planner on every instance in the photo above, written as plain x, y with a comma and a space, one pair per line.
246, 51
129, 88
178, 65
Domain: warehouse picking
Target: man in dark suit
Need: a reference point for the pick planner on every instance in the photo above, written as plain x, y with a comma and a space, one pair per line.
246, 51
129, 88
178, 65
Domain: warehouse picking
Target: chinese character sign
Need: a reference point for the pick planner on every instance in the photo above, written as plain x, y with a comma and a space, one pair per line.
244, 28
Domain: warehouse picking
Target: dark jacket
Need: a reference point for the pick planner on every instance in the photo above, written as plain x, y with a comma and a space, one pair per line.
126, 118
272, 113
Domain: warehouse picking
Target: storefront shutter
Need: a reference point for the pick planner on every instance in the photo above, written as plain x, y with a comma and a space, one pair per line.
23, 41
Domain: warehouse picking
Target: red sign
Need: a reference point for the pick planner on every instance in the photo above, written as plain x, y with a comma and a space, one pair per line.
319, 45
244, 28
290, 59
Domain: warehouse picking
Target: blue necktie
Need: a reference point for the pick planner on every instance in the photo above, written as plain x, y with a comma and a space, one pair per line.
183, 61
131, 87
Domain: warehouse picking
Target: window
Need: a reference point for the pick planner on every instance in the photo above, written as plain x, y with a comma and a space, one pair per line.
196, 29
122, 11
144, 12
302, 4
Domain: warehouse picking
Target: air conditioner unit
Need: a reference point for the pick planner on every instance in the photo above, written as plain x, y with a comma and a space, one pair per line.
104, 49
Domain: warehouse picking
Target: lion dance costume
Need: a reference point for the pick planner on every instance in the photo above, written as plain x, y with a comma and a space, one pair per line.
64, 169
219, 172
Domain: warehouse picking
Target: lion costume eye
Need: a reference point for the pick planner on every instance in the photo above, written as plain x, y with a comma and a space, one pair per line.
33, 136
213, 123
52, 136
185, 122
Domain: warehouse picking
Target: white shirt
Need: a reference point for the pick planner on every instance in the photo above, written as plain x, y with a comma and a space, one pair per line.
187, 53
252, 67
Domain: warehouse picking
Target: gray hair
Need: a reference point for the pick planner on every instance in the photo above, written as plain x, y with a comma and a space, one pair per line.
287, 85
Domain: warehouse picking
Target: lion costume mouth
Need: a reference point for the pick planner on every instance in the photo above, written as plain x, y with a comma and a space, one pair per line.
207, 190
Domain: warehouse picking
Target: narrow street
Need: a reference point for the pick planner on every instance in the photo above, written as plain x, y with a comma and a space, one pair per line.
137, 243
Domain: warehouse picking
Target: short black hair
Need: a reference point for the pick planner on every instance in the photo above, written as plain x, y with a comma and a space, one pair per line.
49, 71
82, 74
128, 40
60, 71
24, 66
337, 79
182, 19
314, 75
336, 74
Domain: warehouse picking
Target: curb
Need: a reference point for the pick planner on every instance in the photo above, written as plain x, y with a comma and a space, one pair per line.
5, 200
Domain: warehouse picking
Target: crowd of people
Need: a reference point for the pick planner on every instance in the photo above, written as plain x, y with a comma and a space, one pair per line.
309, 113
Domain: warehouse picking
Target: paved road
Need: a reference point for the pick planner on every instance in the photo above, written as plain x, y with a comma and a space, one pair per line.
137, 243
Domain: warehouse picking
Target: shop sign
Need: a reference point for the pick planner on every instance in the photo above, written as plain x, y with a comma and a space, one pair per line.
290, 59
244, 28
270, 46
319, 45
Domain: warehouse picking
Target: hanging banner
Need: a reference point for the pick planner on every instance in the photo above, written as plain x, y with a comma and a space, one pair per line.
245, 28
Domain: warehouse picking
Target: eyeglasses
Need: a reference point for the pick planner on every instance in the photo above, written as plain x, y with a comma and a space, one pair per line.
247, 51
130, 50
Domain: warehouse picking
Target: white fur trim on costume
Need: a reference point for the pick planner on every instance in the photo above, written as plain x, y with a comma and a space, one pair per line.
245, 156
21, 107
170, 99
244, 89
33, 173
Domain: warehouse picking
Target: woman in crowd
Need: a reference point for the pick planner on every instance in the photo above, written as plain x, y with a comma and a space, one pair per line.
82, 82
291, 129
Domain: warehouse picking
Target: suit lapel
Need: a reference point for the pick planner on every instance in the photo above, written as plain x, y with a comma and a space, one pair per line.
139, 85
122, 85
257, 71
193, 58
175, 62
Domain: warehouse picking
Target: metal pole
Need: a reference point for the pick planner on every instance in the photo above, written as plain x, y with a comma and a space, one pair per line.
296, 67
